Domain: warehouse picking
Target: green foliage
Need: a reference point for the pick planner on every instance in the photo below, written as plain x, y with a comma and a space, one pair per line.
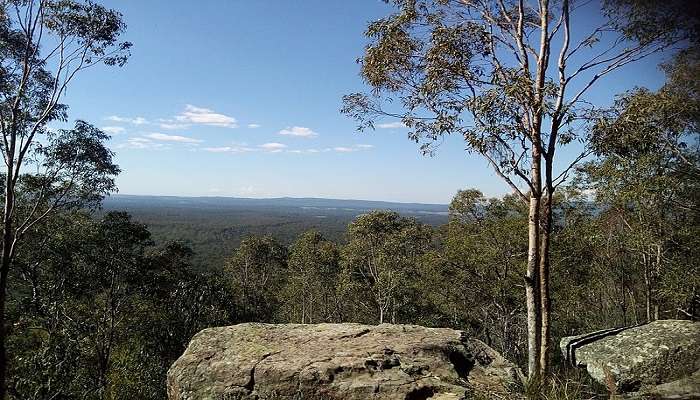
97, 310
441, 74
648, 177
79, 275
44, 45
99, 313
215, 233
485, 250
566, 385
90, 173
513, 80
257, 271
310, 294
645, 20
382, 252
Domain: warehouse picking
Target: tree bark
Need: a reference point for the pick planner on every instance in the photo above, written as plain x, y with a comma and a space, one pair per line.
532, 287
545, 299
656, 276
5, 263
6, 259
534, 317
5, 267
647, 286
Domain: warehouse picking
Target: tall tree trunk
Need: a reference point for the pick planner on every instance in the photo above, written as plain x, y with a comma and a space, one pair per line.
545, 259
623, 301
633, 306
534, 317
5, 264
545, 299
656, 277
647, 286
5, 268
533, 290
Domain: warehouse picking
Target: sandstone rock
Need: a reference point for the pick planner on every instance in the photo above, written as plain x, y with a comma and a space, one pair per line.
684, 388
661, 357
339, 361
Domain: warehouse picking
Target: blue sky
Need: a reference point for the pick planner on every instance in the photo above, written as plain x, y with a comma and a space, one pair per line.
241, 98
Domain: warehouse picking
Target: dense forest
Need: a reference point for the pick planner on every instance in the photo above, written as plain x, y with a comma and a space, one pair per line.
99, 308
214, 226
94, 308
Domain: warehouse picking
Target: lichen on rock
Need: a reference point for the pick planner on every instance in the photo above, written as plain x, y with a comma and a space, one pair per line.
660, 357
339, 361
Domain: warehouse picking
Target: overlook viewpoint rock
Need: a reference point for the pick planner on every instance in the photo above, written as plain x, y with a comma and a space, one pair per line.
659, 360
339, 361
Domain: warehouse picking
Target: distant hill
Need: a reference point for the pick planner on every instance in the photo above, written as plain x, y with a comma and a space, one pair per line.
214, 226
120, 200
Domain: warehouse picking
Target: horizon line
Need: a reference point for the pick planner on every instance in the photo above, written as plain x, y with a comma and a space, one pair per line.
273, 198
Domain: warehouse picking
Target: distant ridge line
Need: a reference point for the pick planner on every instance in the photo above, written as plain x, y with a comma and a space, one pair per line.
285, 200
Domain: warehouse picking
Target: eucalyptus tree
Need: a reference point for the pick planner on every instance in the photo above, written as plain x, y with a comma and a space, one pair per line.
310, 291
257, 271
45, 44
484, 248
648, 172
513, 78
86, 278
381, 256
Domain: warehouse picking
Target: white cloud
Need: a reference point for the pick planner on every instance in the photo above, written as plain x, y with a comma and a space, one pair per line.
229, 149
171, 124
223, 149
134, 121
351, 149
273, 147
254, 126
304, 151
192, 115
205, 116
140, 143
172, 138
298, 131
391, 125
113, 130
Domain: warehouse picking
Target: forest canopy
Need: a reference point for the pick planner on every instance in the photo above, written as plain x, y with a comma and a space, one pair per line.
94, 307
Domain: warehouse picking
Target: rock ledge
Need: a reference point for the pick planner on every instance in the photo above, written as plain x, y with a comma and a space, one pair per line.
660, 359
339, 361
